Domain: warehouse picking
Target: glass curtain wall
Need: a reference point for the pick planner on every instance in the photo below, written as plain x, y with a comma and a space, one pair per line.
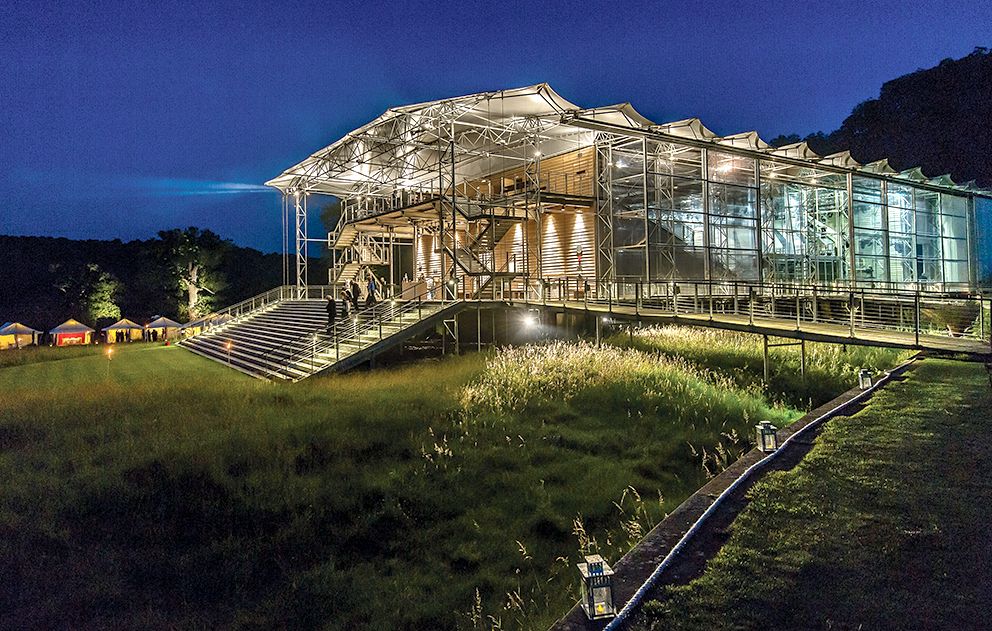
804, 225
690, 213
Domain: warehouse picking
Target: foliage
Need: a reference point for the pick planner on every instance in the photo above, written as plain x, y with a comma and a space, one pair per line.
881, 526
192, 255
90, 292
35, 267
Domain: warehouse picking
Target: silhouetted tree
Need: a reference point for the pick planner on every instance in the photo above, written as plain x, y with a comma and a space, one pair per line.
193, 256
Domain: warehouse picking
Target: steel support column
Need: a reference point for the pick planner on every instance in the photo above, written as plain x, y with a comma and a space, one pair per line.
300, 204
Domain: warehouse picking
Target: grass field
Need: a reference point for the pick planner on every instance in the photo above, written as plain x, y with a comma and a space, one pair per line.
884, 525
160, 489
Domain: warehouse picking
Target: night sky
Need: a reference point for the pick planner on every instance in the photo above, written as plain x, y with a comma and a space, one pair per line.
117, 121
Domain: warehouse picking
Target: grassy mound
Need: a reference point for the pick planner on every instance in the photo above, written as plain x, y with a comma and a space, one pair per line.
162, 489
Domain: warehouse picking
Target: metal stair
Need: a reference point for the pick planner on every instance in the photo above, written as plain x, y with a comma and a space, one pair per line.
290, 340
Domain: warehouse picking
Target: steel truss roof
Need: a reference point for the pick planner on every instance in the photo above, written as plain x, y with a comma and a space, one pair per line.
480, 134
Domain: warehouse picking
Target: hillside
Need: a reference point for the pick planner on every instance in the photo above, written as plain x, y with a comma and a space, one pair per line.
936, 118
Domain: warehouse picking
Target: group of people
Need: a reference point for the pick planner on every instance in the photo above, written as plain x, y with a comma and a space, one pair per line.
351, 297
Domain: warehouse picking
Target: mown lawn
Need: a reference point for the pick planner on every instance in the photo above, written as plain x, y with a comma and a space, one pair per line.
160, 489
884, 525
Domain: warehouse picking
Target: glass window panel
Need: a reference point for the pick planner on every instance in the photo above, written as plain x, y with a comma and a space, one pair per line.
901, 245
732, 200
953, 205
926, 201
956, 272
674, 159
929, 270
927, 223
869, 242
868, 215
928, 247
628, 231
738, 265
901, 220
954, 227
902, 270
630, 263
956, 249
867, 189
870, 268
900, 195
733, 237
734, 169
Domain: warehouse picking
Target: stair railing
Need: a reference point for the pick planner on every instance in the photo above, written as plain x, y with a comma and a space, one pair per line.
240, 309
310, 346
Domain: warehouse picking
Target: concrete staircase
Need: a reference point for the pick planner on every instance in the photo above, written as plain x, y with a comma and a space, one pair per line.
290, 340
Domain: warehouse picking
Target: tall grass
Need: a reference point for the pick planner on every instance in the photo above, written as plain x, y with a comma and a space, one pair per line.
830, 368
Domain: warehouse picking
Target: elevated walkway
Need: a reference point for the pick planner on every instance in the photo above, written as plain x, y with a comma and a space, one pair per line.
884, 319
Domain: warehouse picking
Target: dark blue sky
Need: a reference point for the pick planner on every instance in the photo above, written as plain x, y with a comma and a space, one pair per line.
118, 120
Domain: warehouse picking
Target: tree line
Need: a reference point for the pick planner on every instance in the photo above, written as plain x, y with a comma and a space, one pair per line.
182, 274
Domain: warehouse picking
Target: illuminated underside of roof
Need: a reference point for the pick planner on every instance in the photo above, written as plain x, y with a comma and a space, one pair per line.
494, 131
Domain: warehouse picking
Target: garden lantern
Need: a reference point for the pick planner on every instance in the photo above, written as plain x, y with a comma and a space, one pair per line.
766, 436
864, 378
597, 588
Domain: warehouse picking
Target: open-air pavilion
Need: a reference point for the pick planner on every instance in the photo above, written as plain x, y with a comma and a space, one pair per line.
17, 335
520, 199
71, 333
123, 330
162, 328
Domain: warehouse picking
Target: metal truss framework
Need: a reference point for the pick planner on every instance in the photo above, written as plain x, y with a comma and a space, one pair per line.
446, 150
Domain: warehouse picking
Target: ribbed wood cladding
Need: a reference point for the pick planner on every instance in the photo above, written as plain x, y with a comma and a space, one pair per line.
569, 173
565, 236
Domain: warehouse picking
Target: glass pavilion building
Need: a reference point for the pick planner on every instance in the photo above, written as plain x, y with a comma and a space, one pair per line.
517, 189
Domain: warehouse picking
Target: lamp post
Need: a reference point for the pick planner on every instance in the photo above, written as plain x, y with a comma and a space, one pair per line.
597, 588
766, 437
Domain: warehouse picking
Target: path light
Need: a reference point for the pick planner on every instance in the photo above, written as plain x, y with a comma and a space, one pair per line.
228, 346
766, 436
864, 378
597, 588
110, 356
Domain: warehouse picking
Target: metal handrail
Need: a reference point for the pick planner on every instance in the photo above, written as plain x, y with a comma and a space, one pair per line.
921, 312
246, 306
